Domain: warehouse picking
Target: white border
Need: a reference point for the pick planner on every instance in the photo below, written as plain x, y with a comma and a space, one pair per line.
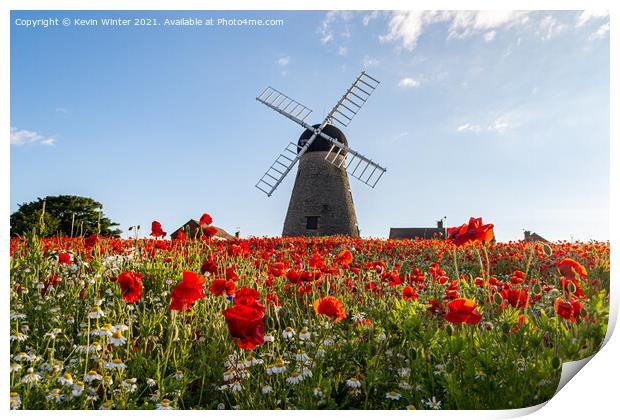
592, 393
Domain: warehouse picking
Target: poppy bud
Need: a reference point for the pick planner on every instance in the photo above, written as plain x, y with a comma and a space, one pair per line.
505, 328
556, 363
413, 354
536, 289
571, 287
498, 299
547, 250
449, 330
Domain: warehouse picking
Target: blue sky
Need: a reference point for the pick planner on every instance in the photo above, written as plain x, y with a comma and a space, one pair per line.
503, 115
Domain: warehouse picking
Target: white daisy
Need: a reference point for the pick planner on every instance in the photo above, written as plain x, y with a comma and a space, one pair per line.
65, 379
117, 338
30, 377
15, 401
95, 312
392, 395
164, 405
266, 389
354, 382
304, 334
433, 403
288, 333
92, 376
295, 378
54, 395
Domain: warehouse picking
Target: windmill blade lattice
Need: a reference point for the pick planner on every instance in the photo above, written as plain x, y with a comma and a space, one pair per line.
357, 165
284, 105
353, 100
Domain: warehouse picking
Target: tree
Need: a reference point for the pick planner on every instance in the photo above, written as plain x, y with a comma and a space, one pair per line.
65, 215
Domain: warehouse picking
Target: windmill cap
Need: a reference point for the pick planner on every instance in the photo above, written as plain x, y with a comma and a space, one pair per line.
320, 144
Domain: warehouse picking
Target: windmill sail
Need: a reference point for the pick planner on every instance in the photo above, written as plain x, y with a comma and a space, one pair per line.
286, 106
353, 100
357, 165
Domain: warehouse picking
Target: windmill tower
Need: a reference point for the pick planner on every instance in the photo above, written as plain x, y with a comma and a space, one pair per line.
321, 202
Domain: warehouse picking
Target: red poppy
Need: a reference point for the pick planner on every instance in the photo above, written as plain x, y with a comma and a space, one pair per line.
248, 297
570, 268
205, 219
131, 286
331, 307
64, 258
209, 231
344, 258
181, 236
409, 293
218, 287
209, 266
187, 292
516, 298
473, 232
246, 325
568, 310
156, 230
463, 311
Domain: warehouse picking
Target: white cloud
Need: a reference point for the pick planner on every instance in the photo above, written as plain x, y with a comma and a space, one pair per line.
550, 27
601, 32
283, 61
23, 137
342, 51
399, 136
499, 125
370, 17
408, 82
588, 15
406, 27
468, 127
334, 19
489, 36
370, 62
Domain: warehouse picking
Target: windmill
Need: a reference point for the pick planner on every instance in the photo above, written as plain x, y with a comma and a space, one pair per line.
321, 201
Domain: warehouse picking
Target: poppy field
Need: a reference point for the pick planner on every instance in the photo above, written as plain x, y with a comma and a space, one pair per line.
300, 323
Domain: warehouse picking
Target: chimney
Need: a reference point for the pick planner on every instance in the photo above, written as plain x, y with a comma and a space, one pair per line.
440, 224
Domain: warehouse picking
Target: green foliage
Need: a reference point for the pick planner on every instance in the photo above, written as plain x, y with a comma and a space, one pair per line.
63, 215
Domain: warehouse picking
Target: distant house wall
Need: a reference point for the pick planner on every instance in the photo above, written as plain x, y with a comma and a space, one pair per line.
420, 233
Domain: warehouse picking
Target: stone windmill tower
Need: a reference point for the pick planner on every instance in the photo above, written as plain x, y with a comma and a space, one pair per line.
321, 202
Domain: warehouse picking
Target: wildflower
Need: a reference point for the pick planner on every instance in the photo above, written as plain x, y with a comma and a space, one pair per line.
91, 376
392, 395
288, 333
156, 230
245, 324
331, 307
95, 312
106, 405
64, 258
107, 380
205, 219
404, 385
78, 388
462, 310
30, 377
151, 382
320, 352
570, 268
404, 371
409, 293
269, 337
295, 378
473, 232
304, 334
568, 310
115, 364
358, 317
65, 379
16, 402
266, 389
164, 405
306, 373
129, 384
54, 395
433, 403
15, 367
117, 338
301, 356
187, 292
178, 375
131, 286
317, 392
19, 337
221, 406
354, 382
